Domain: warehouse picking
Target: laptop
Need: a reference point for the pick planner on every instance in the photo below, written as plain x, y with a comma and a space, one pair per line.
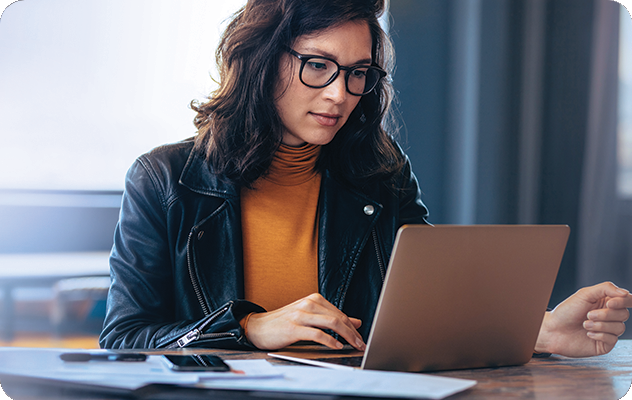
458, 296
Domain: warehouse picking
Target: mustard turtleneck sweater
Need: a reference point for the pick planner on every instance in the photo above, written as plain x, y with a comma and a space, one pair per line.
280, 229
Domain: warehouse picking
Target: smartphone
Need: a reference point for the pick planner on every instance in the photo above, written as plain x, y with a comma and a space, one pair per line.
196, 363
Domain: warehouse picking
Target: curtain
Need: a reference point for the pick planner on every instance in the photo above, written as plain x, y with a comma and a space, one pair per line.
600, 233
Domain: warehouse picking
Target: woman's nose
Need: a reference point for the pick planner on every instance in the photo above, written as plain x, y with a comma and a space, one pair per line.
337, 90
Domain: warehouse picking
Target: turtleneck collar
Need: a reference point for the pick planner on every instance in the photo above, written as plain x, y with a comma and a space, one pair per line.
293, 165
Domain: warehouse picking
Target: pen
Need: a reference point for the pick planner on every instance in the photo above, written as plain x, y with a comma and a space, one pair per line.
84, 357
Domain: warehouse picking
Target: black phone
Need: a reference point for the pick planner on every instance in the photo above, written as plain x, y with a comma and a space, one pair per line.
196, 363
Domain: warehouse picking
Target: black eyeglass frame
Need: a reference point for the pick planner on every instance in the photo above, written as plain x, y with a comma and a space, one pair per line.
304, 58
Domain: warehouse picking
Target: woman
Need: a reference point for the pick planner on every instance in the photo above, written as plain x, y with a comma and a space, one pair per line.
289, 197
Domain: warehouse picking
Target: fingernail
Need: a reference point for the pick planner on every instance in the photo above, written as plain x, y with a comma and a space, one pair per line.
591, 335
589, 324
591, 315
360, 344
339, 345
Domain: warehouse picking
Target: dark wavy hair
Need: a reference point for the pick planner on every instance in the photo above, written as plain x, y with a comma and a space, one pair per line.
239, 127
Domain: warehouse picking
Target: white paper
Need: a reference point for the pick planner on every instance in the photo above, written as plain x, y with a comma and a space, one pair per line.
255, 375
45, 363
251, 369
353, 382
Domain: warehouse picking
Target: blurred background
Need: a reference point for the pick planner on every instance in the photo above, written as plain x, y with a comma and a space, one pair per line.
512, 112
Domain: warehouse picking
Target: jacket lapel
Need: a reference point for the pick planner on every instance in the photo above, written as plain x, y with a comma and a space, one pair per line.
198, 177
215, 243
346, 220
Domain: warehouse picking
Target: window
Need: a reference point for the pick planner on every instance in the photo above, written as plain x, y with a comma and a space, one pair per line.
87, 86
625, 106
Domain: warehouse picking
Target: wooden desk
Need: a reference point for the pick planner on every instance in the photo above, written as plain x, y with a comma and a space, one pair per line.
604, 378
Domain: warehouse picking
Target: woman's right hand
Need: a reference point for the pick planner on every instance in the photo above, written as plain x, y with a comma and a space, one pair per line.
303, 320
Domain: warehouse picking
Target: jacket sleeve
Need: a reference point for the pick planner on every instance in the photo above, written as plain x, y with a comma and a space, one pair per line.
141, 305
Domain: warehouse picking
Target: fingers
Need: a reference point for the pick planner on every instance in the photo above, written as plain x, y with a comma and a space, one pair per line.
308, 332
612, 328
609, 315
620, 302
303, 320
318, 336
588, 322
608, 339
606, 325
602, 290
349, 333
317, 312
356, 322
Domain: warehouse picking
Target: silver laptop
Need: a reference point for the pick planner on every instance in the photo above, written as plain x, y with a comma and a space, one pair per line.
459, 297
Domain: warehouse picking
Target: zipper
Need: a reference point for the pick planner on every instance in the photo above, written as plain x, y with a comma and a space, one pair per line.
196, 333
217, 335
188, 338
194, 282
380, 262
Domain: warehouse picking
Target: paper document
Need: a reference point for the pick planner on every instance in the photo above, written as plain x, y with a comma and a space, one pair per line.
351, 382
257, 375
45, 363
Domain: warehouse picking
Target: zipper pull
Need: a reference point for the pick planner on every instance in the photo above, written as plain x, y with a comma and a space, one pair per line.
189, 337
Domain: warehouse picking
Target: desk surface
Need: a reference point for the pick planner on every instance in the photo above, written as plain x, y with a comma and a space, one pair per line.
604, 377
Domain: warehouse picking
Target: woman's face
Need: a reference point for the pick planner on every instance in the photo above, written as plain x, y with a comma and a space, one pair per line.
315, 115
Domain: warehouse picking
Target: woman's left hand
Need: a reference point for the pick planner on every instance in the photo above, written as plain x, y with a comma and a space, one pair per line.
588, 323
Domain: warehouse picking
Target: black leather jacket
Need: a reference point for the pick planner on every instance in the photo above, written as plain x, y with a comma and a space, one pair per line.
176, 264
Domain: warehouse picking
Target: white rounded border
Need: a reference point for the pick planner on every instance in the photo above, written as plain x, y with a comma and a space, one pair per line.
627, 4
3, 6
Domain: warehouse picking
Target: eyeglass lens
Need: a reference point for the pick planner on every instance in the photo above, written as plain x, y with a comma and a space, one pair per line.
318, 72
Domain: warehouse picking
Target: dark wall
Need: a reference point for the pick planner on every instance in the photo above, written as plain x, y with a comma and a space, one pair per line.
422, 36
567, 80
420, 31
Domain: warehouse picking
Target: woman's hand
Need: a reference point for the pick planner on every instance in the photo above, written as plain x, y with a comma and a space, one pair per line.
303, 320
588, 323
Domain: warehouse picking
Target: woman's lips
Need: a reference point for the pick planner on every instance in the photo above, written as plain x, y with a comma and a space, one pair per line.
326, 119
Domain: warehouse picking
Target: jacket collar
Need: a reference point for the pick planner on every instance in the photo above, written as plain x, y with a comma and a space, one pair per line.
198, 176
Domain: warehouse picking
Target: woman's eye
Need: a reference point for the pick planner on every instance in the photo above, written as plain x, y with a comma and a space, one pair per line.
358, 73
317, 65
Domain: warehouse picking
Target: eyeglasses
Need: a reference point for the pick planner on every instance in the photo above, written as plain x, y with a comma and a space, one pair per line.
318, 72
